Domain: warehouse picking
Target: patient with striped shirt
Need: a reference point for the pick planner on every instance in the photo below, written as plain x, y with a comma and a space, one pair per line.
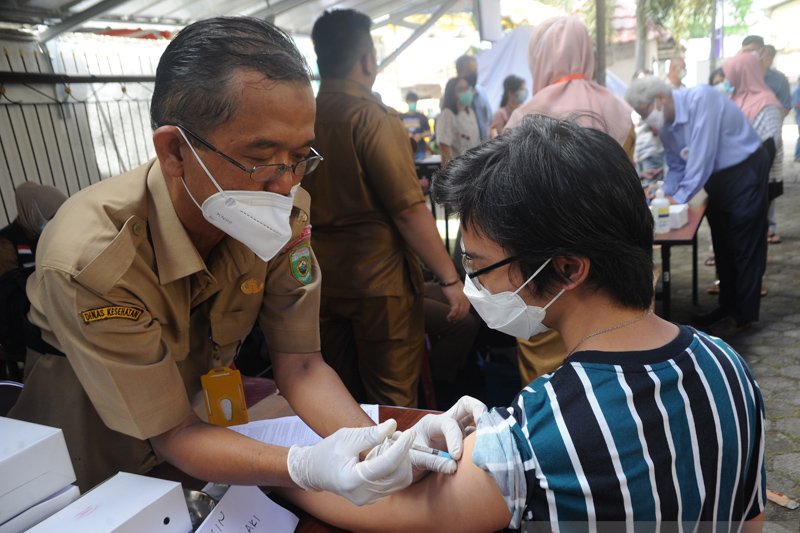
647, 425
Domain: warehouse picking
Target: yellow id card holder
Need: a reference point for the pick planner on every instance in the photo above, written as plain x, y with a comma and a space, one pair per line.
223, 396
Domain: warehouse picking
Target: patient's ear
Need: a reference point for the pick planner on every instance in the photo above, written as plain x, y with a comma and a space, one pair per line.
574, 270
168, 141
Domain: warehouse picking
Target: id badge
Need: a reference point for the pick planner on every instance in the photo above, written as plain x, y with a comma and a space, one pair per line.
223, 396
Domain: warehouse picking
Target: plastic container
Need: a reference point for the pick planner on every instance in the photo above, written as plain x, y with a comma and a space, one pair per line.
659, 206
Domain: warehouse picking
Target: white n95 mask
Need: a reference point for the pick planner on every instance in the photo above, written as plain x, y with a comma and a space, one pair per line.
257, 219
507, 311
655, 119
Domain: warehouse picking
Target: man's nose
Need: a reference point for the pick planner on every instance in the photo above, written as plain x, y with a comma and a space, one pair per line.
283, 184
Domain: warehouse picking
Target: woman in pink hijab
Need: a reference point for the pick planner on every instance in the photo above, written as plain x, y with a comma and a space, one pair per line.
561, 58
762, 109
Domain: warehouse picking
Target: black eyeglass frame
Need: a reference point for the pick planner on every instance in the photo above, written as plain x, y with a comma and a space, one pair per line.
484, 270
280, 168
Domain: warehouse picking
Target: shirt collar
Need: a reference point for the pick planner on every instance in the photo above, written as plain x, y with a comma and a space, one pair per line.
342, 85
176, 255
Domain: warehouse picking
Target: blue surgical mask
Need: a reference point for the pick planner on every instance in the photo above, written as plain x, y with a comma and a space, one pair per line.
522, 95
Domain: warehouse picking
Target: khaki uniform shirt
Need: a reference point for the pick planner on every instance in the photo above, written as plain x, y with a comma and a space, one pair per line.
122, 291
368, 175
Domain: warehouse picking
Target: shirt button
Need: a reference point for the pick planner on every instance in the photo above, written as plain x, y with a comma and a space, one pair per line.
138, 228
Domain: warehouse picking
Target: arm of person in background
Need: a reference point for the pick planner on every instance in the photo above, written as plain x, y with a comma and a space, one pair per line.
447, 153
702, 132
446, 135
469, 499
418, 228
393, 178
8, 256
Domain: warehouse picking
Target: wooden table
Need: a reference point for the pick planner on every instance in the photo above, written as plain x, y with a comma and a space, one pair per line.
677, 237
273, 407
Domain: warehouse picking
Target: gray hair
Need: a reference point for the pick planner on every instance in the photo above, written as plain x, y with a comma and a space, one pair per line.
642, 92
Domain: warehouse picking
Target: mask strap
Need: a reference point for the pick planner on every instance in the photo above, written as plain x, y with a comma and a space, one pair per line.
190, 194
533, 275
203, 165
551, 302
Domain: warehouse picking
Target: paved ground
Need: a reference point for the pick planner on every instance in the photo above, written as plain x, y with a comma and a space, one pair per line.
772, 348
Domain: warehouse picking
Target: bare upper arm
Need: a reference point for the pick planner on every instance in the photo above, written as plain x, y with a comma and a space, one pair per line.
469, 498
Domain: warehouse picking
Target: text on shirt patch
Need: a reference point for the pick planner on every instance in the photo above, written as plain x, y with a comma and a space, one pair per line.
112, 311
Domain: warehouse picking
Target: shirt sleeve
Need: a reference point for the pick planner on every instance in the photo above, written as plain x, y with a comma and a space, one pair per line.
115, 347
496, 453
388, 163
703, 131
290, 310
445, 128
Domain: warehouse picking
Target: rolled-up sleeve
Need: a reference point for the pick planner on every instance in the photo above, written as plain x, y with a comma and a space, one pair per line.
496, 452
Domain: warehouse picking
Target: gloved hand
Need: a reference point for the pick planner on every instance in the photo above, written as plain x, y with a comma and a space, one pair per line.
445, 432
333, 464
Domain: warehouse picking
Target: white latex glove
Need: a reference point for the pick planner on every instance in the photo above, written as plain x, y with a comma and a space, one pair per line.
445, 432
333, 464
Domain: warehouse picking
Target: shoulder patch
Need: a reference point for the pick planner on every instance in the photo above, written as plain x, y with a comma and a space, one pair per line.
111, 311
300, 264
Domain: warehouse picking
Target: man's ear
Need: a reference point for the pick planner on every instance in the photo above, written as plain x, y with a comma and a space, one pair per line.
168, 141
574, 270
366, 64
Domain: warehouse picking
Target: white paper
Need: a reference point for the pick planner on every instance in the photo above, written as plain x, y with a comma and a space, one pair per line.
289, 430
247, 509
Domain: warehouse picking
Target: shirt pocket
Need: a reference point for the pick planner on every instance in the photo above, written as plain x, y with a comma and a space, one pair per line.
228, 332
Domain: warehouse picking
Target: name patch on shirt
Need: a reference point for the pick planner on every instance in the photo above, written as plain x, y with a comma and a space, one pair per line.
112, 311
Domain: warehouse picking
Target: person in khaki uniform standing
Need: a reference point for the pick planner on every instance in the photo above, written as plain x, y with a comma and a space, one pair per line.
146, 281
370, 219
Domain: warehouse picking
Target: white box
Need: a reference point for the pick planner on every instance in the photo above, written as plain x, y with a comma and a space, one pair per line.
34, 465
678, 215
40, 511
124, 503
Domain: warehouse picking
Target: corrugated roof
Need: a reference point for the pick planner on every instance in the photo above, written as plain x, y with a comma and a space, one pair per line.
295, 16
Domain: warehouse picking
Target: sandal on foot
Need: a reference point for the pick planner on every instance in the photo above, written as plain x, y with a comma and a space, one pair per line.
774, 238
710, 262
713, 288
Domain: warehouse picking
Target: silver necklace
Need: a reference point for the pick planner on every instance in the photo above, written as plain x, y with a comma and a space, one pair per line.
612, 328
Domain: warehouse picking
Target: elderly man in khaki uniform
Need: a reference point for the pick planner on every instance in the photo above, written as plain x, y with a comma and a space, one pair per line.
370, 219
146, 281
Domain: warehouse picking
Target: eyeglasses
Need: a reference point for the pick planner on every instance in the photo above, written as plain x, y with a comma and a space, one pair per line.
262, 173
474, 275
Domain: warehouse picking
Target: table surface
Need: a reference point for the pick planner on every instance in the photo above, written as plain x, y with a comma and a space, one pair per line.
687, 233
275, 406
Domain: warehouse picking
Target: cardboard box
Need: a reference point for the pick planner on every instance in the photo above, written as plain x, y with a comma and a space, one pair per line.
34, 465
678, 216
124, 503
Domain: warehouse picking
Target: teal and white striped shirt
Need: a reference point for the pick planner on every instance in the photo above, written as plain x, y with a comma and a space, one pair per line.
672, 435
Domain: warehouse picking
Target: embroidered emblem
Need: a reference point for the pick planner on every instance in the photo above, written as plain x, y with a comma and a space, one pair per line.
252, 286
300, 263
112, 311
305, 234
